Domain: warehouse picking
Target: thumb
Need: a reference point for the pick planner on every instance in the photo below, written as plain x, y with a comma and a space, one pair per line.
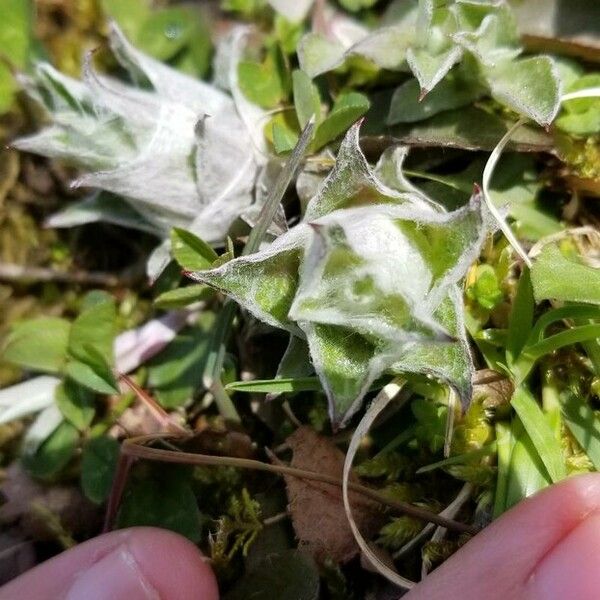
133, 564
546, 548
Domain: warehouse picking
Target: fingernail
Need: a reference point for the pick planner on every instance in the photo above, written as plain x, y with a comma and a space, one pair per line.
572, 568
116, 576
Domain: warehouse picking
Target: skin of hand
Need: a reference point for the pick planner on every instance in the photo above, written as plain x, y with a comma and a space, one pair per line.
546, 548
142, 563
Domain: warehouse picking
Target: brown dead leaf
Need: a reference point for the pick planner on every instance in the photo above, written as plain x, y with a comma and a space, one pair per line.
317, 508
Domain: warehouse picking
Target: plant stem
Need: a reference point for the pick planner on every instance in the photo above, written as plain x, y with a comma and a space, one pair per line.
135, 448
21, 273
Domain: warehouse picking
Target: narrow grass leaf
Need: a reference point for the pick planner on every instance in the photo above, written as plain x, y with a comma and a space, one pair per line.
504, 446
526, 474
191, 252
545, 442
183, 296
276, 386
582, 421
521, 317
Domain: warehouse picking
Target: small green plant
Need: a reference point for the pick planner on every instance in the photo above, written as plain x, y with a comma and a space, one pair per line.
370, 239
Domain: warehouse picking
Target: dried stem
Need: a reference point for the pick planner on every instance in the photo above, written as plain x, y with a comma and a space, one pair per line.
136, 448
118, 487
20, 273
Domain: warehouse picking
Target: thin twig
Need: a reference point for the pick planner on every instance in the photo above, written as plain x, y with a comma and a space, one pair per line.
118, 487
156, 410
20, 273
136, 448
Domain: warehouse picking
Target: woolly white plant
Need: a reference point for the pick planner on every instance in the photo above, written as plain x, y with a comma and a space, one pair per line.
179, 151
368, 278
429, 38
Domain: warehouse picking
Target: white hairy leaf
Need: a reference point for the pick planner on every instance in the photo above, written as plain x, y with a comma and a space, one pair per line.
369, 279
179, 151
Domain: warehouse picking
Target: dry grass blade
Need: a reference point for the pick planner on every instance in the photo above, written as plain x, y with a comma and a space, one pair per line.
387, 394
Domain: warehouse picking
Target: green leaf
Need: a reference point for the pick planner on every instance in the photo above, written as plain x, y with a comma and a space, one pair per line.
197, 61
16, 31
516, 186
430, 69
527, 474
348, 108
581, 117
582, 421
289, 575
487, 31
285, 385
190, 251
454, 91
98, 466
166, 32
174, 508
92, 371
295, 362
91, 342
38, 344
357, 5
307, 100
537, 348
521, 318
15, 45
94, 328
264, 283
351, 183
266, 83
485, 289
284, 138
176, 373
545, 442
8, 87
556, 277
129, 14
101, 206
76, 404
288, 33
577, 312
318, 54
450, 362
469, 128
183, 296
574, 335
504, 445
55, 453
530, 86
434, 52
